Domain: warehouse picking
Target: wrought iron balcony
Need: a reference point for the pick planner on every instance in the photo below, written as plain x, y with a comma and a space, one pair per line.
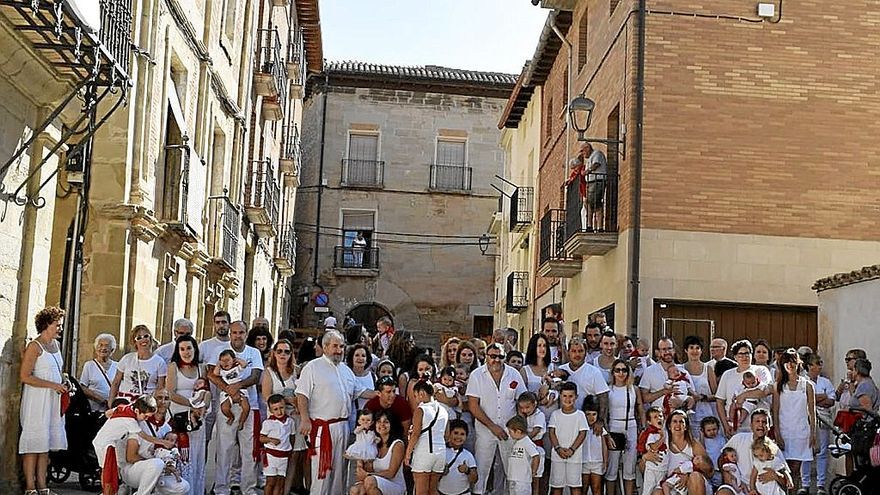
183, 197
363, 173
262, 198
517, 292
270, 74
285, 249
450, 178
289, 161
521, 205
296, 62
79, 38
553, 261
227, 226
591, 215
356, 261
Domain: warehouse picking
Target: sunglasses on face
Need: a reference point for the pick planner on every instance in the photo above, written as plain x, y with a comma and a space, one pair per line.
621, 370
142, 337
282, 351
494, 356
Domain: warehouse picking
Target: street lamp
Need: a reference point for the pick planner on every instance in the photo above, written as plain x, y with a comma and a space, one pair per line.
484, 244
580, 114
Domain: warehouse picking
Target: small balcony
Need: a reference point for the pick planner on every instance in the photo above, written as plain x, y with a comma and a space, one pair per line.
285, 250
517, 292
183, 199
270, 74
363, 173
296, 70
227, 226
351, 261
591, 215
450, 178
553, 261
262, 198
521, 205
290, 159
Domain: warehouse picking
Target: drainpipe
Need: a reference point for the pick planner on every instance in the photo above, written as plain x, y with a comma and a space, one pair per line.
636, 234
320, 178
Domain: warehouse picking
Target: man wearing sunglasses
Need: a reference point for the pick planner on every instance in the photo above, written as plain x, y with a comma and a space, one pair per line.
492, 392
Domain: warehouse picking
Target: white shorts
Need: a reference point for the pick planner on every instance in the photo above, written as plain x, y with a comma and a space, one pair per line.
275, 466
541, 458
519, 488
593, 467
426, 462
565, 474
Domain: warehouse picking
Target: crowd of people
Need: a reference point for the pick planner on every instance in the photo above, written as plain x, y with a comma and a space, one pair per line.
375, 414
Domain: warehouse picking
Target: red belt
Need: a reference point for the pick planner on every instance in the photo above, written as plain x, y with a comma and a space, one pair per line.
326, 456
539, 442
110, 472
277, 453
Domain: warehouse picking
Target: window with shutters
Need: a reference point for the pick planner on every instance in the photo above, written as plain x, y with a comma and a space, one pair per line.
358, 248
449, 171
362, 166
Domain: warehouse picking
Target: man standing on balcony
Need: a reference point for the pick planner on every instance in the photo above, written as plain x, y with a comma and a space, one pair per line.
358, 246
597, 166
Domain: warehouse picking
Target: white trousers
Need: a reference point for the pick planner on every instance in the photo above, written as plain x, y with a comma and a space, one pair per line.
334, 482
486, 448
143, 475
233, 443
168, 485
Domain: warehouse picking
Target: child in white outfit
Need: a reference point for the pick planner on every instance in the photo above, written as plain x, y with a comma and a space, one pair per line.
446, 389
701, 464
522, 465
568, 430
595, 448
653, 439
275, 436
730, 474
764, 452
527, 407
681, 384
229, 370
365, 439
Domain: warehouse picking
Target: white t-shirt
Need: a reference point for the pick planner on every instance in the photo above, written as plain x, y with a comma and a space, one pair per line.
499, 403
655, 378
823, 386
730, 385
589, 381
140, 377
537, 420
433, 443
165, 351
455, 482
568, 427
770, 487
274, 428
254, 362
114, 432
330, 388
211, 348
593, 446
519, 464
742, 443
93, 377
330, 322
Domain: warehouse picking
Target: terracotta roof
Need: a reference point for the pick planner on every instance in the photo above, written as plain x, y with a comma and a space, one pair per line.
309, 18
843, 279
517, 103
427, 72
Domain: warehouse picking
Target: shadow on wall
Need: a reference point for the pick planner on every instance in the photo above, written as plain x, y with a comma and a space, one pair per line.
10, 388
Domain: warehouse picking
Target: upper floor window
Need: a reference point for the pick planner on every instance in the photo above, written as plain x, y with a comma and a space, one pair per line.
362, 166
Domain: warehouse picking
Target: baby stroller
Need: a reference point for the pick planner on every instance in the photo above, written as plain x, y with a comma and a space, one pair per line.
862, 439
81, 425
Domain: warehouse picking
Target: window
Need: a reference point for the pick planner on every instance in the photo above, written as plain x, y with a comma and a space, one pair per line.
363, 147
451, 153
362, 167
357, 252
548, 119
229, 19
582, 40
450, 171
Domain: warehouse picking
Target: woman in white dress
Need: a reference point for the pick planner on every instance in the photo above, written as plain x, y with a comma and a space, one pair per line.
97, 373
184, 370
42, 425
705, 385
384, 476
140, 372
280, 378
794, 413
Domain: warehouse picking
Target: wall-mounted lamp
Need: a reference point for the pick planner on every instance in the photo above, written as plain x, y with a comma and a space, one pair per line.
580, 114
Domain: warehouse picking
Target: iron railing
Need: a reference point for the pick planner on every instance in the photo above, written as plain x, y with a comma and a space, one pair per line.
521, 204
450, 177
517, 292
265, 192
553, 237
295, 57
285, 243
115, 35
365, 173
596, 209
231, 222
269, 60
290, 147
356, 257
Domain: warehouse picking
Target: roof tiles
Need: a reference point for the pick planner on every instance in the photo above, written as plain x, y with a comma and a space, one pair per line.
426, 73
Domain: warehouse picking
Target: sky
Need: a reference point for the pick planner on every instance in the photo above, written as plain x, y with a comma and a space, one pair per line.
489, 35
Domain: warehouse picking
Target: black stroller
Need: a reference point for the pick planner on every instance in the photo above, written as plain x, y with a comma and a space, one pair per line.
81, 425
865, 477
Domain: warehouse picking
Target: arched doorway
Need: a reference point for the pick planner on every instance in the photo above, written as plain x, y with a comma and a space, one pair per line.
368, 314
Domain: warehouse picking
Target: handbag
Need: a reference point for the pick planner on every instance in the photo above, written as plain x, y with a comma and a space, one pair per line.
616, 440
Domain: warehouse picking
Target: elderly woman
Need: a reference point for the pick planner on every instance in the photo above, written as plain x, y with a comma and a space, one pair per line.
865, 394
384, 476
42, 423
140, 372
794, 411
732, 393
185, 372
95, 379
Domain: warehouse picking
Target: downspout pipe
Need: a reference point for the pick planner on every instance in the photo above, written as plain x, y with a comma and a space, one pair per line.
636, 232
568, 45
320, 184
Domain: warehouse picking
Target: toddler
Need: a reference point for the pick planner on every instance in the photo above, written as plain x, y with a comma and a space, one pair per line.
536, 422
365, 439
713, 440
729, 469
567, 431
460, 472
522, 465
640, 359
229, 370
275, 436
738, 414
764, 452
595, 448
701, 464
681, 384
446, 393
653, 439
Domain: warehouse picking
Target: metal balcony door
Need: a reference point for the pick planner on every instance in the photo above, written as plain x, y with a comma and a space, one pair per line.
450, 171
363, 152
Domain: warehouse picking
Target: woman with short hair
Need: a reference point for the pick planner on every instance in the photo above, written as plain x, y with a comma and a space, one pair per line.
705, 385
96, 377
140, 372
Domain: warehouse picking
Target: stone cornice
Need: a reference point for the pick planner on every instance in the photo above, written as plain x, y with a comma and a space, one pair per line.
142, 221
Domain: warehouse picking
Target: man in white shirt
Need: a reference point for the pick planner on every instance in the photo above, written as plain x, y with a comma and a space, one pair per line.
330, 322
654, 387
588, 378
207, 349
593, 335
181, 327
229, 436
759, 426
492, 392
325, 391
551, 328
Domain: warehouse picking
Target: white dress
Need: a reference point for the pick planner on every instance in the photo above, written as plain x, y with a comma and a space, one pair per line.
703, 409
364, 446
42, 425
395, 485
192, 471
794, 423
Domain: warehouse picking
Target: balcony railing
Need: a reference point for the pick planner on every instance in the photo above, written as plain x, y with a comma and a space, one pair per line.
296, 69
289, 161
591, 215
356, 261
553, 261
263, 196
231, 222
521, 204
270, 74
285, 249
517, 292
363, 173
450, 177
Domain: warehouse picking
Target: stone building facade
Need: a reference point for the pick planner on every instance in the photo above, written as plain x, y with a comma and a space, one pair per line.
189, 175
751, 177
406, 156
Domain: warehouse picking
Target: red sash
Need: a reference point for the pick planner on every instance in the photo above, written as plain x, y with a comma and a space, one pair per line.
326, 455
